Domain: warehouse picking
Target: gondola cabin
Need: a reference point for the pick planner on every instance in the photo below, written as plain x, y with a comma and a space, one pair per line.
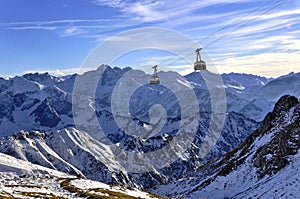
154, 78
199, 64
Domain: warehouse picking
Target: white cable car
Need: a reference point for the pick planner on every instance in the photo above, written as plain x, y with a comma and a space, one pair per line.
199, 64
154, 79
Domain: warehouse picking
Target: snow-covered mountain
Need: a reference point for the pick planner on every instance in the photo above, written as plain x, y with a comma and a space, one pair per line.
44, 102
251, 95
244, 80
265, 165
37, 125
42, 111
76, 152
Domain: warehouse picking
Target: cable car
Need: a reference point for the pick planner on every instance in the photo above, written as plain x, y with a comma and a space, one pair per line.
154, 78
199, 64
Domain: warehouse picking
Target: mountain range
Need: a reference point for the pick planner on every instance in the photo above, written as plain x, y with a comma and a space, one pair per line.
37, 126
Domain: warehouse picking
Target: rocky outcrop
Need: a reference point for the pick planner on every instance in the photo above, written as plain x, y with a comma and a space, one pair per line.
274, 155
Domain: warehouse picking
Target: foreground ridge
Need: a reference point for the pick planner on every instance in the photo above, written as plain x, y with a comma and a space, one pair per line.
22, 179
265, 165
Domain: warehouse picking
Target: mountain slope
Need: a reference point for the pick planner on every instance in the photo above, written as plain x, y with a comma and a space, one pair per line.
22, 179
245, 80
66, 150
265, 165
73, 151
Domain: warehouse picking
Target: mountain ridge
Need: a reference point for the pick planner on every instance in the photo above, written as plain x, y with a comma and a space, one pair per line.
270, 149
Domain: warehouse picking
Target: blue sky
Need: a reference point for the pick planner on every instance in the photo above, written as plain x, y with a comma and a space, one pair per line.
246, 36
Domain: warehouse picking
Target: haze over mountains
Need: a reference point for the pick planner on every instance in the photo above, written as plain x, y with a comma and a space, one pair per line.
36, 123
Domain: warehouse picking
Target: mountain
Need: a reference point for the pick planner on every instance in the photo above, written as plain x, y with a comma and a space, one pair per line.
67, 150
29, 102
287, 84
76, 152
257, 95
250, 95
265, 165
244, 80
37, 123
22, 179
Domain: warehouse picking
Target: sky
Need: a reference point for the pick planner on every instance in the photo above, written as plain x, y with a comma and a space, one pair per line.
259, 37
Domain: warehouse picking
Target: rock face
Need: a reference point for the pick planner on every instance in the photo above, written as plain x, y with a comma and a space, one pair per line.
274, 156
45, 115
259, 167
285, 103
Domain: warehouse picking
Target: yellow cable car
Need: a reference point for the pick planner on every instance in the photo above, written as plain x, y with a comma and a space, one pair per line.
154, 78
199, 64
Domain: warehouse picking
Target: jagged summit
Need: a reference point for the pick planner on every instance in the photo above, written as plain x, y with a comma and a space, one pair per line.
285, 103
246, 80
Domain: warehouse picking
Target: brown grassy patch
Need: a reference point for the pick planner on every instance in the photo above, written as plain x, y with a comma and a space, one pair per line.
97, 193
24, 185
40, 195
5, 195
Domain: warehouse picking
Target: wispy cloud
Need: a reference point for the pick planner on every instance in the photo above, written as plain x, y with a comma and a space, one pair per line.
283, 13
72, 31
266, 64
242, 37
76, 27
144, 11
35, 28
62, 21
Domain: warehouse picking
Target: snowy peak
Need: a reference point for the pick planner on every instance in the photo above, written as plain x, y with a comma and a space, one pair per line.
110, 75
288, 84
291, 74
246, 80
22, 85
41, 78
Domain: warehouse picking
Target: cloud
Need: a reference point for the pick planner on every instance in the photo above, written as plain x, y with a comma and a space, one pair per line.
241, 35
62, 21
280, 14
34, 28
68, 24
113, 3
71, 31
144, 11
266, 64
167, 10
